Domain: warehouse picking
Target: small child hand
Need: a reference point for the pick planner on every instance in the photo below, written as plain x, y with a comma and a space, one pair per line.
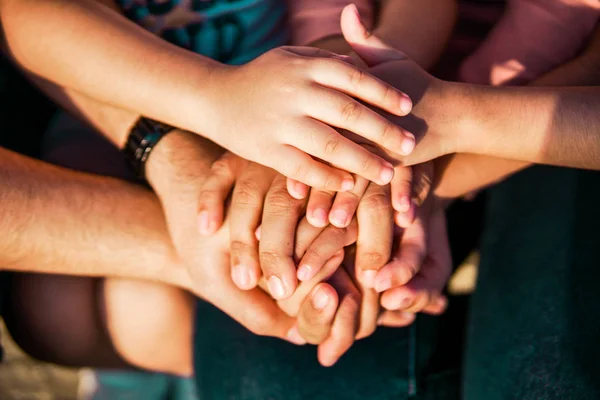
281, 109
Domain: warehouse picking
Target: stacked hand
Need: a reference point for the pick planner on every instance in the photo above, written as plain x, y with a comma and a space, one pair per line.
324, 267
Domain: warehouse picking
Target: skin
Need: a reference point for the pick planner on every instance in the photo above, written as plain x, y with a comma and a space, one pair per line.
327, 90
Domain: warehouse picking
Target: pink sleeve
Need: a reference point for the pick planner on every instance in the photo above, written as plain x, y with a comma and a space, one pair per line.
311, 20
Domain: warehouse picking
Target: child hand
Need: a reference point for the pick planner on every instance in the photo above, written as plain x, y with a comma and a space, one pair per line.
414, 279
281, 109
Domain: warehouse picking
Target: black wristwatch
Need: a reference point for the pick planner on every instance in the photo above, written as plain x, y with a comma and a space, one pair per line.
143, 136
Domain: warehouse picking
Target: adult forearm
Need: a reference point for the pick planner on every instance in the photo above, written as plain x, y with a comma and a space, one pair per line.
420, 29
54, 220
87, 47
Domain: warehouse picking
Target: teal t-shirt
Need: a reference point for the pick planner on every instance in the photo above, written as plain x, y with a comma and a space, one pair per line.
229, 31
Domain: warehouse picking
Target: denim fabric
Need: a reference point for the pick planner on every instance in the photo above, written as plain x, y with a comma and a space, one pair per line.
535, 316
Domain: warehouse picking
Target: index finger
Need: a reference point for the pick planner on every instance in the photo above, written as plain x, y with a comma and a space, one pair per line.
375, 233
331, 71
276, 247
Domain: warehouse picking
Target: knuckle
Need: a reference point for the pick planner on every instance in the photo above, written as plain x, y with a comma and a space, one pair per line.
408, 271
388, 132
356, 77
330, 181
209, 196
279, 201
313, 254
350, 111
336, 235
300, 172
331, 144
389, 95
376, 202
366, 164
247, 193
311, 335
222, 167
269, 261
239, 246
370, 259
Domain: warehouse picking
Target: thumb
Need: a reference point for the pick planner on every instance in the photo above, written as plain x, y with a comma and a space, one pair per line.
369, 48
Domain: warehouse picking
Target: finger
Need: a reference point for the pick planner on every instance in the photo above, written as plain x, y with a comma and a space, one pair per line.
422, 293
375, 233
301, 167
297, 190
245, 213
369, 312
407, 260
424, 290
328, 144
276, 247
342, 111
396, 319
345, 324
214, 192
359, 84
317, 313
306, 233
325, 246
319, 204
345, 203
292, 304
401, 188
436, 306
370, 305
369, 48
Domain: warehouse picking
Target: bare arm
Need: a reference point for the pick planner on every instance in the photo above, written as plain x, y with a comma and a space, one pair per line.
75, 43
463, 173
421, 29
55, 220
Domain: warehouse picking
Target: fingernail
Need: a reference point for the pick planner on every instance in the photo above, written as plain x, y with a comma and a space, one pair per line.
368, 278
301, 190
383, 285
319, 217
304, 272
408, 144
294, 336
203, 223
404, 303
354, 10
347, 184
404, 204
276, 287
405, 104
320, 300
257, 233
339, 218
386, 174
241, 276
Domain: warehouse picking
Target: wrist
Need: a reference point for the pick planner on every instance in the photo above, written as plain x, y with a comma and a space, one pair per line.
197, 103
160, 162
462, 104
179, 159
